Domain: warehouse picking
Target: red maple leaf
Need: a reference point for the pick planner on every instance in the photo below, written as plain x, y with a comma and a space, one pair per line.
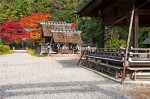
11, 31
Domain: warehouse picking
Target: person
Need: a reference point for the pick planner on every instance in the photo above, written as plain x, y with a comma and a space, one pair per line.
48, 48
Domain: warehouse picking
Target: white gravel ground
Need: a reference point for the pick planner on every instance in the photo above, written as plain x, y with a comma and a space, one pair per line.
26, 77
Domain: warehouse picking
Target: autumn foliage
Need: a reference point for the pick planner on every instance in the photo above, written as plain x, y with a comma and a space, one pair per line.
12, 31
32, 22
73, 25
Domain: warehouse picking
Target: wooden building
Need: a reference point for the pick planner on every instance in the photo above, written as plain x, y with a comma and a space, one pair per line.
131, 63
62, 37
117, 13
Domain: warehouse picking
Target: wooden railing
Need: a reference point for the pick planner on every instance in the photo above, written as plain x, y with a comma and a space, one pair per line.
139, 53
107, 53
138, 59
135, 54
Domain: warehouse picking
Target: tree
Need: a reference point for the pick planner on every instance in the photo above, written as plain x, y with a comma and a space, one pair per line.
64, 10
15, 9
8, 10
115, 37
91, 31
13, 31
32, 22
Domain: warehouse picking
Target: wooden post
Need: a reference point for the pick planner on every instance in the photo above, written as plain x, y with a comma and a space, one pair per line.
127, 47
135, 35
82, 54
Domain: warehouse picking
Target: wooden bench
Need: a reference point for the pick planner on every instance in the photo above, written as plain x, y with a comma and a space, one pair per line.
98, 62
138, 59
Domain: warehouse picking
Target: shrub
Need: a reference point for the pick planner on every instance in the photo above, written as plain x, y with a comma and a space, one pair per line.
5, 49
115, 43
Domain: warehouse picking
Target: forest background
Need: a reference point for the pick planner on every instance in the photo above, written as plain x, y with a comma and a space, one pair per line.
64, 11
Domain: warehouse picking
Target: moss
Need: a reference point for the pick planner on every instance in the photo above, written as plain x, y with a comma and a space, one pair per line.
32, 52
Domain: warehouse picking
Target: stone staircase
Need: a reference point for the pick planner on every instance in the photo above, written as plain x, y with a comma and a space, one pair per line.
20, 51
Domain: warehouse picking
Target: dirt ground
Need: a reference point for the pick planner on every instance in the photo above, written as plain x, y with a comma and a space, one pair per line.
139, 94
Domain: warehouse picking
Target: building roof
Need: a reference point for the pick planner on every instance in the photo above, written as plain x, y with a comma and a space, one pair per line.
67, 38
112, 10
61, 32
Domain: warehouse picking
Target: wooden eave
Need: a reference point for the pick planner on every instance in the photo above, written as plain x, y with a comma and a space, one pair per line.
93, 8
113, 10
88, 9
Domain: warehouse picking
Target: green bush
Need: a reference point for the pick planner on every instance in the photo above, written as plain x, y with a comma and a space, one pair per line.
115, 43
5, 49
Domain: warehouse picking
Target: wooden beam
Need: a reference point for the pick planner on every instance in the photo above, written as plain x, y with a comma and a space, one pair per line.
135, 34
116, 20
89, 8
127, 47
143, 12
116, 10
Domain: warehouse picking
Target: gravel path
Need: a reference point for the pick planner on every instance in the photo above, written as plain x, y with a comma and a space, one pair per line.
26, 77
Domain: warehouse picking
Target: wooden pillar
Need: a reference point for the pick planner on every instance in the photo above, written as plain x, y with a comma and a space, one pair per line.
135, 34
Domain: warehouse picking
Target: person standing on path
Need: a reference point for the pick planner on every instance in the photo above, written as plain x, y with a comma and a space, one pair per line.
48, 48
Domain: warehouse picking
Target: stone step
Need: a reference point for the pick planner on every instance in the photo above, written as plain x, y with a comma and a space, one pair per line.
20, 51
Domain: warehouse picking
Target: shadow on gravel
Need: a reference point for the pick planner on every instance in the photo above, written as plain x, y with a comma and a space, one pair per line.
69, 63
56, 88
